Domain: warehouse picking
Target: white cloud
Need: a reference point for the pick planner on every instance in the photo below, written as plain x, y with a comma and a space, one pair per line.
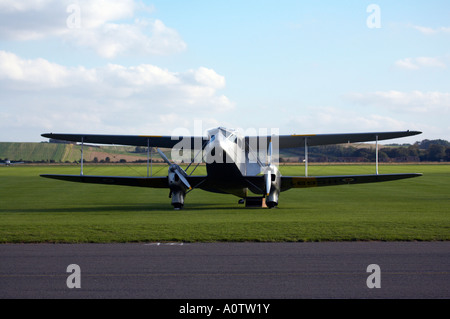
37, 94
339, 120
431, 31
113, 80
95, 13
31, 74
209, 77
23, 5
321, 119
142, 37
90, 24
419, 63
436, 103
413, 110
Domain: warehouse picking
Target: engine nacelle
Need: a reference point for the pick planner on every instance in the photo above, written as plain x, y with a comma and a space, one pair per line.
177, 186
178, 199
175, 183
273, 183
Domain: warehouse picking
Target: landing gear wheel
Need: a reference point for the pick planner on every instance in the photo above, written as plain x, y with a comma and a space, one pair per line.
178, 206
271, 205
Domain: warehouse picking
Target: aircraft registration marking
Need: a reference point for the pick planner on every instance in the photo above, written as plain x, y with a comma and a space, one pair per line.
300, 182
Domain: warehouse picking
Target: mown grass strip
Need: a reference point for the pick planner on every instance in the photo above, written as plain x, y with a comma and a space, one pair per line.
34, 209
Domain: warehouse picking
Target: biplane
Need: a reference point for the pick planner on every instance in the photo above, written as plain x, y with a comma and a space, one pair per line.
244, 166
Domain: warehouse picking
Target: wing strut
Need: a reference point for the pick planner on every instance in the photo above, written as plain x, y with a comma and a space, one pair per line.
306, 157
376, 154
148, 154
81, 173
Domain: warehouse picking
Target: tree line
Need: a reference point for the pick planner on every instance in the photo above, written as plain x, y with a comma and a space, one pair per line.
423, 151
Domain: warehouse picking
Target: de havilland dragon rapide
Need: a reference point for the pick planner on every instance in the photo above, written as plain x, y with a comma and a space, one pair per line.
244, 166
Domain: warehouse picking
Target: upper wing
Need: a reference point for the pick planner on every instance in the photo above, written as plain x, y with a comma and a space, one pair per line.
134, 140
285, 141
291, 141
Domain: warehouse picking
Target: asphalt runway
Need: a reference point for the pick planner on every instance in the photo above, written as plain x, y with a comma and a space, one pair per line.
226, 270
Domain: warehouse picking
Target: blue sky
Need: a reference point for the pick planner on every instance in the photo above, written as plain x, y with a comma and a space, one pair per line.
151, 67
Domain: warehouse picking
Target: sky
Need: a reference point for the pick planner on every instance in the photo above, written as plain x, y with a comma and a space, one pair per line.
160, 67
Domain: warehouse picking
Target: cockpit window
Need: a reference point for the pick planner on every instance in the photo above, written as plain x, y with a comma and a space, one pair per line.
232, 138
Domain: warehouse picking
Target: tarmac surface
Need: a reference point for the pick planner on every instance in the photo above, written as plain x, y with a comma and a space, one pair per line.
226, 270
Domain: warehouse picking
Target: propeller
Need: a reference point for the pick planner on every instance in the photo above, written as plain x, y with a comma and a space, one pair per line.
176, 169
272, 178
164, 157
268, 175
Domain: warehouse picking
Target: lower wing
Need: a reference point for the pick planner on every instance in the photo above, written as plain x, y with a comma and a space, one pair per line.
153, 182
257, 183
288, 182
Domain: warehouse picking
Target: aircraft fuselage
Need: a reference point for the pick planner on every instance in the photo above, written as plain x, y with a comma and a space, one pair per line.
229, 159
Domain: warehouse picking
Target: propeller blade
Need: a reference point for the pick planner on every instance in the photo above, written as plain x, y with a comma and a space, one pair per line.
183, 179
164, 157
268, 174
268, 177
175, 168
269, 154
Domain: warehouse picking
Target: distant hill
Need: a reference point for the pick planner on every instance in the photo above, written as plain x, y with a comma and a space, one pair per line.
63, 153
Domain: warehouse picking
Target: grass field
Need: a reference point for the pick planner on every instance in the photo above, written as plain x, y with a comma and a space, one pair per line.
34, 209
